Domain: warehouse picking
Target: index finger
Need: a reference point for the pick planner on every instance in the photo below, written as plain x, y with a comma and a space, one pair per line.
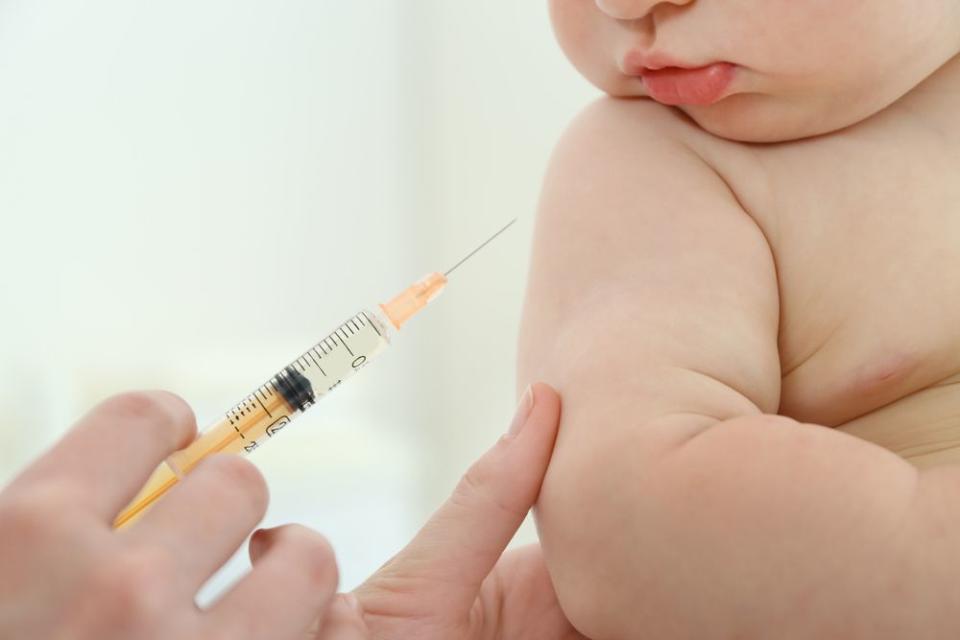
458, 547
111, 451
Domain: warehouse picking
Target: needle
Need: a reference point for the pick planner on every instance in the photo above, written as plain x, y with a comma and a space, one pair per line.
450, 270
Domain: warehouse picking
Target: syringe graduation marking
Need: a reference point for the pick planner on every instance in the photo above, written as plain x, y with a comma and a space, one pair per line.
373, 325
343, 340
294, 387
290, 389
310, 353
291, 384
263, 406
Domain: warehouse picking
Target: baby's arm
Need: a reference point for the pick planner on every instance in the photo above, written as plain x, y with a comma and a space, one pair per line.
677, 504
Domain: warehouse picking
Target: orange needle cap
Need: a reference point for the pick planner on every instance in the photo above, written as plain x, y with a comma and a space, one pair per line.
414, 298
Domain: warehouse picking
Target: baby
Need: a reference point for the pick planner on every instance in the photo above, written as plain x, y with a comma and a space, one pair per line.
745, 285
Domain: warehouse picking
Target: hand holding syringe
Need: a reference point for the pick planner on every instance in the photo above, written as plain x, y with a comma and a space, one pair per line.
67, 572
260, 415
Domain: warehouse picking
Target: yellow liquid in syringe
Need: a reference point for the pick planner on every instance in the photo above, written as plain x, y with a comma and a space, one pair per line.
317, 372
237, 435
271, 406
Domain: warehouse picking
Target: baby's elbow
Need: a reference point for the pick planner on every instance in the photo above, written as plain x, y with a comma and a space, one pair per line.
569, 537
589, 521
619, 528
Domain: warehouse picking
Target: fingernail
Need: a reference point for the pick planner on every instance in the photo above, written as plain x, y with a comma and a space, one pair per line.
523, 412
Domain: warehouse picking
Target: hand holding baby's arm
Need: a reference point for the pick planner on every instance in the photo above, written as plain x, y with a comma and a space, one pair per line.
676, 504
66, 573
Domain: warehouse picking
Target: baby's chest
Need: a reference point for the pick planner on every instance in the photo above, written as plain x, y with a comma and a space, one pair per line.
867, 251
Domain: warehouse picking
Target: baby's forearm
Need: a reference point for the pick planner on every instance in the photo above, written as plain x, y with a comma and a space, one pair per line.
757, 527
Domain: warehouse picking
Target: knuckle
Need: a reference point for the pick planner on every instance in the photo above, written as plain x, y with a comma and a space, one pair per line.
135, 404
314, 554
477, 491
159, 408
241, 482
474, 481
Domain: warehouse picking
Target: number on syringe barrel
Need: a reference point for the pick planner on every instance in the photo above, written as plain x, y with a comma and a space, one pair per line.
276, 425
294, 384
270, 430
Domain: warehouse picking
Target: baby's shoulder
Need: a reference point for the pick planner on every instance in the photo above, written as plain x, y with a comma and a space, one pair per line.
651, 136
628, 121
637, 157
633, 222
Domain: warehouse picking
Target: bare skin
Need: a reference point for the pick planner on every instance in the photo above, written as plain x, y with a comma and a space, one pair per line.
68, 575
866, 249
728, 468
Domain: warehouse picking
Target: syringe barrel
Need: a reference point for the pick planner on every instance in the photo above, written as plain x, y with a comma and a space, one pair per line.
269, 408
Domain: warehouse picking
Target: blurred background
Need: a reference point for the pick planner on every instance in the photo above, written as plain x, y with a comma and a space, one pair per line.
194, 192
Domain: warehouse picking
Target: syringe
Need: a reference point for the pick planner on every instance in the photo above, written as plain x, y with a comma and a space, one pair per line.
270, 407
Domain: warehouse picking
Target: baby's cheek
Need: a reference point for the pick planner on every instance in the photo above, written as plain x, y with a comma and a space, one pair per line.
573, 24
581, 30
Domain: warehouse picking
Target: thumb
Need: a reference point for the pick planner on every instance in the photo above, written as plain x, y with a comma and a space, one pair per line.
458, 547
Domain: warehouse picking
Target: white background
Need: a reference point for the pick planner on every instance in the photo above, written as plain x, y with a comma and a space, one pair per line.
193, 192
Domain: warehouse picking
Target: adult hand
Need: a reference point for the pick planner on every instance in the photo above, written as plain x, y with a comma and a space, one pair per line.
66, 573
453, 581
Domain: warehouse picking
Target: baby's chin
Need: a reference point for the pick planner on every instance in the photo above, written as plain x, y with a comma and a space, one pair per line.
754, 117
